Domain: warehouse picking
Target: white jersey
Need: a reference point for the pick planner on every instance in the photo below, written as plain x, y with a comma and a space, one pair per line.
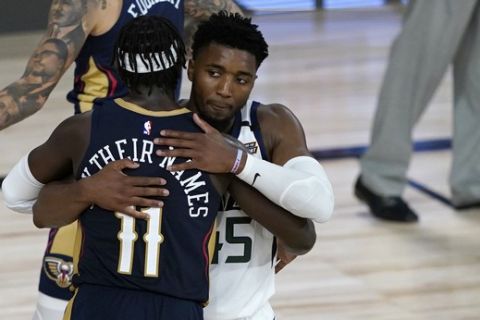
242, 271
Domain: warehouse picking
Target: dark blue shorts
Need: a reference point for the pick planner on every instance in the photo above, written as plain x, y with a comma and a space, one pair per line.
92, 302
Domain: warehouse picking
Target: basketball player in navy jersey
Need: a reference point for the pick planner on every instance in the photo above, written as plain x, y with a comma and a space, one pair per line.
87, 29
127, 268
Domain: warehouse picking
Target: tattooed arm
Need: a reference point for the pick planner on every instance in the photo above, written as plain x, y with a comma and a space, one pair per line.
69, 24
200, 10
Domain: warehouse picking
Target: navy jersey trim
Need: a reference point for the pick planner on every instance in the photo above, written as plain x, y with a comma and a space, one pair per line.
237, 124
274, 250
256, 130
137, 109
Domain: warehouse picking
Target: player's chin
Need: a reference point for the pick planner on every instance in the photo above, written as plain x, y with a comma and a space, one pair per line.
219, 113
217, 122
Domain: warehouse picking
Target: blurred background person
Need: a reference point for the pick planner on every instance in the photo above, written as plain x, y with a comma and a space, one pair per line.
436, 33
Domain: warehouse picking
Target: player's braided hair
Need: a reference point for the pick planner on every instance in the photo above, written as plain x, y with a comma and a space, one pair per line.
231, 30
149, 52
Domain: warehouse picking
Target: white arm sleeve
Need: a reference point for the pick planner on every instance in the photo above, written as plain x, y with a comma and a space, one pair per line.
301, 186
20, 188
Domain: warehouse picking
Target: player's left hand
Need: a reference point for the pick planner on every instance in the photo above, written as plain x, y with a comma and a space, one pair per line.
209, 151
284, 257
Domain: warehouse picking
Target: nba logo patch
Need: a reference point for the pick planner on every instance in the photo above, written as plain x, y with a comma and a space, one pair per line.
147, 127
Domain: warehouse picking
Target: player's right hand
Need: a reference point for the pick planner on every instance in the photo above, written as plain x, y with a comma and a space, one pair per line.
210, 151
284, 257
112, 189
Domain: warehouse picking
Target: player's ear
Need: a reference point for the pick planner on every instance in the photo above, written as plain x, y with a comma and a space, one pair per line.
190, 69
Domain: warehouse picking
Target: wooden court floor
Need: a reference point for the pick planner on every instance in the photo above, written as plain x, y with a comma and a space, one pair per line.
327, 67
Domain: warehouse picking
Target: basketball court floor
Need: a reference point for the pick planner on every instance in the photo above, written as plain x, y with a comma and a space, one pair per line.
327, 67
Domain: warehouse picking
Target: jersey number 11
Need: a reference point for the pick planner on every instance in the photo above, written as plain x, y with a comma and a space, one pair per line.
153, 238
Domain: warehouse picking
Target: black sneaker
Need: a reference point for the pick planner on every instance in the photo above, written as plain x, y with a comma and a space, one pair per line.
387, 208
467, 206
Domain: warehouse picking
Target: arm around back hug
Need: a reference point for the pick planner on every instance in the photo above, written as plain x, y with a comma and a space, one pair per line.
20, 188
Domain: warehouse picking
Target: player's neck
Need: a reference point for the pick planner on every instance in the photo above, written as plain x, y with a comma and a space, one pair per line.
157, 100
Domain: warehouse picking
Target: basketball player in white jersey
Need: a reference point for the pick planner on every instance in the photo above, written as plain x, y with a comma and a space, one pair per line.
227, 52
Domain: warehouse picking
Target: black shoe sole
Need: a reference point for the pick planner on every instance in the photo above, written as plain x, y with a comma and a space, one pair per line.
363, 196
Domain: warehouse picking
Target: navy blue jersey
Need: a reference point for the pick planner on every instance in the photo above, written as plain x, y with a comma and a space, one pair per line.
168, 254
94, 76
